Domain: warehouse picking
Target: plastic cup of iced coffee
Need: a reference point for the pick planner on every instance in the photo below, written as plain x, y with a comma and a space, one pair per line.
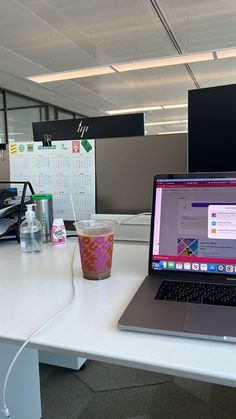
96, 246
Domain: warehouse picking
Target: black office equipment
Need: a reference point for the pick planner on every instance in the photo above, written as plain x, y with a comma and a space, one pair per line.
212, 129
12, 209
6, 194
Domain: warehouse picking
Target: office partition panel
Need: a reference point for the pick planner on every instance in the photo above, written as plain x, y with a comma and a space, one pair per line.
125, 168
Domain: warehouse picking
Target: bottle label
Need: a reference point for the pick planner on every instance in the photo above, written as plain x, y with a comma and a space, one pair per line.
58, 235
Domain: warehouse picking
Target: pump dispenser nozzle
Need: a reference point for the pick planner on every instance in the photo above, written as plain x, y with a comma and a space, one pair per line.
30, 214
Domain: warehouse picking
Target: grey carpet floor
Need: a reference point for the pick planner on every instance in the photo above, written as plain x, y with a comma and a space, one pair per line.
105, 391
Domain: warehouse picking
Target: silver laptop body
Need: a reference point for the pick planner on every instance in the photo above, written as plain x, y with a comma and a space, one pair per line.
190, 289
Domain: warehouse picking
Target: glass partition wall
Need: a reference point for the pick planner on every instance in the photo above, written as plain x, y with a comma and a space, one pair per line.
17, 113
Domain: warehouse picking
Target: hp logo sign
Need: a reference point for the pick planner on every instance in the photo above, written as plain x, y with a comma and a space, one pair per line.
82, 129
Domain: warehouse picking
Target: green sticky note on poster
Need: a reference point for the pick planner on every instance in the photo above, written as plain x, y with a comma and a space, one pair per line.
87, 146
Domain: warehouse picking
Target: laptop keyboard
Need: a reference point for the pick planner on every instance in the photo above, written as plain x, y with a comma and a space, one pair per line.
198, 293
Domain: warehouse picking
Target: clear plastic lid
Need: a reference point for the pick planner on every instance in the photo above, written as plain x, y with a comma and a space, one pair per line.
95, 227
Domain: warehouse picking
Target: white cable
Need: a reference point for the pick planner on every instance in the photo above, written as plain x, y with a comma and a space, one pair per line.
134, 216
5, 409
131, 218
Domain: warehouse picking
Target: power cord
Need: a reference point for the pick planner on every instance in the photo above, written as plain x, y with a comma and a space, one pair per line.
5, 409
132, 217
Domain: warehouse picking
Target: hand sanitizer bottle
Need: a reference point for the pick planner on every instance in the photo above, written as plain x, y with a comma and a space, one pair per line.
30, 232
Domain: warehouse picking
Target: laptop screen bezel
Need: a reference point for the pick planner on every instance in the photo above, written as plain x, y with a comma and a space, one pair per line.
192, 175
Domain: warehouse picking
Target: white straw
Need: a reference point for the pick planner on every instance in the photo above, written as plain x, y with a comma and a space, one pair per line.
73, 208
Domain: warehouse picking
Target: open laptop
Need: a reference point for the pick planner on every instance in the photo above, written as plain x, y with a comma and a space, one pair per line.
190, 289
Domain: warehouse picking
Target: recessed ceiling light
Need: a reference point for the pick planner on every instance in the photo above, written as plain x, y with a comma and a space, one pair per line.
73, 74
163, 62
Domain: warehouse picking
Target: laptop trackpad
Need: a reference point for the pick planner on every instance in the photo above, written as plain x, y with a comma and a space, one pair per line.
210, 320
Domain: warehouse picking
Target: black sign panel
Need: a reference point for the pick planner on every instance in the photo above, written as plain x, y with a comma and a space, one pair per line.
89, 128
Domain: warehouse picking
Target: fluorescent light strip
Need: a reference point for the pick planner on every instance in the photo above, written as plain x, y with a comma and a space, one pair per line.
163, 62
171, 132
74, 74
134, 65
129, 66
146, 109
180, 105
227, 53
166, 122
12, 133
130, 110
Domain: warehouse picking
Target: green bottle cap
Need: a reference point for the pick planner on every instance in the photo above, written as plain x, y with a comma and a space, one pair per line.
39, 197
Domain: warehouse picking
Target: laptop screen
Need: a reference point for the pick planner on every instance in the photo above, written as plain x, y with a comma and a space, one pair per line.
194, 225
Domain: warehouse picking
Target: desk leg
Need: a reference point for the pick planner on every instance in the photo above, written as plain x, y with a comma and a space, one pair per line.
61, 360
23, 388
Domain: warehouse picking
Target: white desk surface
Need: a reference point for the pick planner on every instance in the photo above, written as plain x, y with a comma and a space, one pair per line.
34, 287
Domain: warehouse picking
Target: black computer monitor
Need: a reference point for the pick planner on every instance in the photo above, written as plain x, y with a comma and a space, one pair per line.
212, 129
